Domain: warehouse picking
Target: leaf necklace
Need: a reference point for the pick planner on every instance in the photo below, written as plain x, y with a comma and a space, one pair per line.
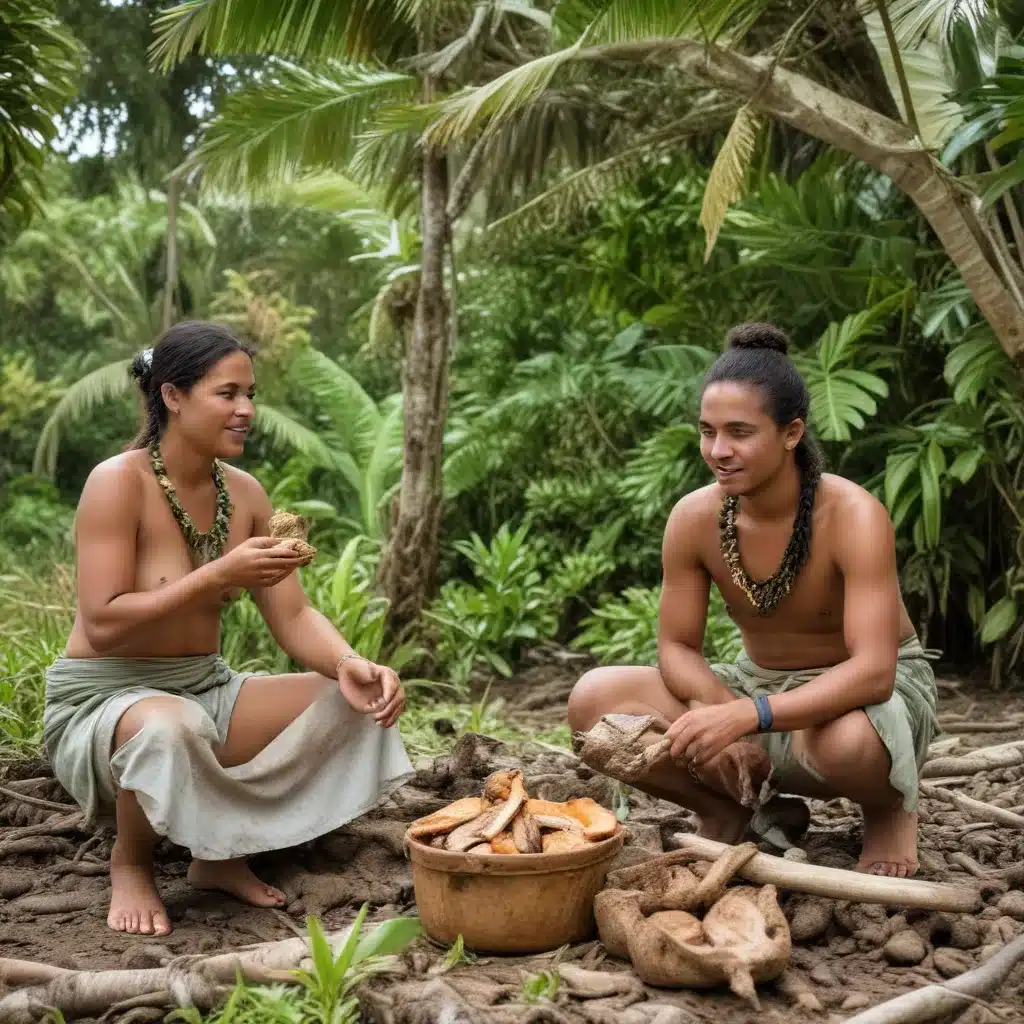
202, 547
765, 595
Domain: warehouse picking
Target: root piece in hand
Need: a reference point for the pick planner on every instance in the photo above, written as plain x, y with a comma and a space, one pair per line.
292, 530
471, 833
504, 813
526, 832
563, 842
448, 818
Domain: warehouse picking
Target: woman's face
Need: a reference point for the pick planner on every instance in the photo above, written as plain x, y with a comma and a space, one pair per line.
215, 416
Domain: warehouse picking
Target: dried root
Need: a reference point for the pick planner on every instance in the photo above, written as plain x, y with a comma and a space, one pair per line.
506, 820
292, 530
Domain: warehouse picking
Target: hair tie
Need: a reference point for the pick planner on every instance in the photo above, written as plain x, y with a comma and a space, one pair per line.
147, 358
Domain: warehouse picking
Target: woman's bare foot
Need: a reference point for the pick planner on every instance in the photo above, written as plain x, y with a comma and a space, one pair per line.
135, 905
234, 877
890, 842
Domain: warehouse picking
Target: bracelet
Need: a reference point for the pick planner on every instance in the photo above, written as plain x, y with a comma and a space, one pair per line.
764, 713
345, 657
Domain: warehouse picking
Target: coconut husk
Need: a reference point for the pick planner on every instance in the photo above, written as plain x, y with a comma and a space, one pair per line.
292, 529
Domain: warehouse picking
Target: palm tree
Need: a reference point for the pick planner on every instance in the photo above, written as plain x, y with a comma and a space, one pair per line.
708, 42
338, 94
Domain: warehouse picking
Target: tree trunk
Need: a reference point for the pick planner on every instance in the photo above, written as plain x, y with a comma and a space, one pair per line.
953, 211
410, 562
171, 252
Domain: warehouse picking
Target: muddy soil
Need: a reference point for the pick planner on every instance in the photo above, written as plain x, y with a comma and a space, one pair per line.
54, 888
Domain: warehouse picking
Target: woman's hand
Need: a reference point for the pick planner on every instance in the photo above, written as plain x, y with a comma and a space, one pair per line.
699, 736
256, 562
369, 687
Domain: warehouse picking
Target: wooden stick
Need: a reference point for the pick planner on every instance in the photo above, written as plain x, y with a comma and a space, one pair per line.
971, 727
837, 883
1004, 755
976, 809
935, 1001
35, 801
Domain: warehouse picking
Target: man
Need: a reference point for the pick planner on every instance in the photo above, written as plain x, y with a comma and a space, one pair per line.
832, 683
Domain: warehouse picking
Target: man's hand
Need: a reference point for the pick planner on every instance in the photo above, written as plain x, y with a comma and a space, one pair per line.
699, 736
372, 688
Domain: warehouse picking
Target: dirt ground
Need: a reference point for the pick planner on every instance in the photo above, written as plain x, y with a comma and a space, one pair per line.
54, 888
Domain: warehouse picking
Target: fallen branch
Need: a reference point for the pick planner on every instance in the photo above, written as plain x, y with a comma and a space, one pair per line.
35, 801
55, 902
970, 727
935, 1001
1005, 755
837, 883
976, 809
48, 845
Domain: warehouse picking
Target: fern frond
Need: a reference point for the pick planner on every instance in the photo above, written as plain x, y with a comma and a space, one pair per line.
382, 468
287, 432
725, 182
95, 388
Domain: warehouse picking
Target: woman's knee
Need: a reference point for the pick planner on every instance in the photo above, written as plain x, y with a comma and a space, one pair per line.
172, 718
622, 689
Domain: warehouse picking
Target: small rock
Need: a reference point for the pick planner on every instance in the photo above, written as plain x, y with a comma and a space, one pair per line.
951, 962
989, 950
898, 923
644, 836
824, 975
150, 954
809, 921
1012, 905
905, 949
931, 861
856, 1001
795, 853
12, 886
965, 933
989, 914
870, 937
846, 947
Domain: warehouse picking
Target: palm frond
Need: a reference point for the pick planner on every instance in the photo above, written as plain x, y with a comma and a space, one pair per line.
382, 467
95, 388
308, 29
288, 432
725, 182
298, 119
331, 191
353, 413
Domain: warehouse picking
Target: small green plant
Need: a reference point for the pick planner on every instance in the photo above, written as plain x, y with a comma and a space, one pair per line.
456, 955
541, 987
325, 995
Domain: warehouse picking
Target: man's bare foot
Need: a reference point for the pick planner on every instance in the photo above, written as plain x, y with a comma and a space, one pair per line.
135, 905
890, 842
234, 877
725, 826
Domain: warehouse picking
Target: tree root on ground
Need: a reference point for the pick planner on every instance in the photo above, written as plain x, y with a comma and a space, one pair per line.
936, 1001
837, 883
35, 801
1004, 755
976, 809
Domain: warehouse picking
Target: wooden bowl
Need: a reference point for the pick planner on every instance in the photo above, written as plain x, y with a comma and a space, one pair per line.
510, 903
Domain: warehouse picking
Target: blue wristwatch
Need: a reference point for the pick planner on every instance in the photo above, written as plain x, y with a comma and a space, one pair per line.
764, 713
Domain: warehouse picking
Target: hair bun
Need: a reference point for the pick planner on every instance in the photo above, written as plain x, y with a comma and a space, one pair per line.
758, 336
142, 367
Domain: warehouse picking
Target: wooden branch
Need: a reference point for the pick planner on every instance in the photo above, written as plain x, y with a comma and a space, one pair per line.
837, 883
171, 250
1005, 755
976, 809
936, 1001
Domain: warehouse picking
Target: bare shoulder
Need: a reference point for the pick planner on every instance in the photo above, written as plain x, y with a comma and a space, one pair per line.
248, 497
116, 480
690, 519
242, 483
855, 520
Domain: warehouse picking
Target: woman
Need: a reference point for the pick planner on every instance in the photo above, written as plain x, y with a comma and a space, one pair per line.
144, 722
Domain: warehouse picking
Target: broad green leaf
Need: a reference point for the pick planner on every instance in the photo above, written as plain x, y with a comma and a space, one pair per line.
388, 938
965, 465
348, 951
999, 620
931, 466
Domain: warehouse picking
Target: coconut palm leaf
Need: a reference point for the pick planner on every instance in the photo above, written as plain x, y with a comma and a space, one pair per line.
352, 412
287, 432
311, 29
725, 182
297, 119
95, 388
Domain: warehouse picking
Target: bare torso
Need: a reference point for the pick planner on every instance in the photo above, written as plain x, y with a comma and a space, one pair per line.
162, 558
806, 630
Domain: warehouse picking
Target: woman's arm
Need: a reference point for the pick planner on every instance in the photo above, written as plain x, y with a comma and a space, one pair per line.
106, 533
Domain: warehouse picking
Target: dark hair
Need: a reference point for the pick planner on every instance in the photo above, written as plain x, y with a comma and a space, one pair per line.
757, 355
182, 356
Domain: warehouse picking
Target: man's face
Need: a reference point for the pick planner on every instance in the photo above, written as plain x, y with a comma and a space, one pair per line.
739, 440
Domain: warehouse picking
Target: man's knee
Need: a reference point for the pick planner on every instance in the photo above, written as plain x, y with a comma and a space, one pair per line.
589, 698
849, 743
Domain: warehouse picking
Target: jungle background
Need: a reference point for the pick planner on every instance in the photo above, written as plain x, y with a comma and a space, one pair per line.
542, 246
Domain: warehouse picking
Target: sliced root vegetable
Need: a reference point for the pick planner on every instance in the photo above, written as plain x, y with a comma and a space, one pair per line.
472, 832
448, 818
548, 809
557, 822
526, 833
499, 785
563, 842
480, 848
598, 821
503, 842
504, 813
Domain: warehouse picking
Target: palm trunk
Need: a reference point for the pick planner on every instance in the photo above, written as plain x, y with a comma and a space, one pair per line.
410, 563
951, 209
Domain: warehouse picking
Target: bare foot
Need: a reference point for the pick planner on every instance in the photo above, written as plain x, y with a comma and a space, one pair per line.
234, 877
725, 826
135, 905
890, 842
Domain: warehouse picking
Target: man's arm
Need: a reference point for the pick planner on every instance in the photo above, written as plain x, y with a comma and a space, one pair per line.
866, 555
106, 535
303, 633
682, 616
